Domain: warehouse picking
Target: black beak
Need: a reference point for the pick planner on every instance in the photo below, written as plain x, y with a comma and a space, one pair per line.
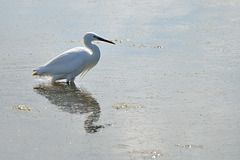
104, 40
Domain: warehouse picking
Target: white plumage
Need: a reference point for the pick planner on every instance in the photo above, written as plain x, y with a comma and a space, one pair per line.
73, 62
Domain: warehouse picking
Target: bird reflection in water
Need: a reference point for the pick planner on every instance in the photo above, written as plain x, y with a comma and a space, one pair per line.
73, 100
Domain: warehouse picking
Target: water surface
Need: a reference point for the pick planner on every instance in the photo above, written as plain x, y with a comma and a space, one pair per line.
169, 89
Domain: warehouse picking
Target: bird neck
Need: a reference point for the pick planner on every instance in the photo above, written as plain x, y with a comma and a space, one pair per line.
93, 48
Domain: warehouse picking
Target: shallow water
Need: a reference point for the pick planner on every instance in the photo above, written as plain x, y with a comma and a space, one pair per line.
169, 89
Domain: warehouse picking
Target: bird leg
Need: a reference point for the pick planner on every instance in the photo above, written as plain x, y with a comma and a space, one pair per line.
69, 79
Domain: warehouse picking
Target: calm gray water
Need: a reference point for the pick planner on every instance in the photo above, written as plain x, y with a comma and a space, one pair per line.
168, 89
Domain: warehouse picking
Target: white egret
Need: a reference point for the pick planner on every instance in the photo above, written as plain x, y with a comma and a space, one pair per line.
73, 62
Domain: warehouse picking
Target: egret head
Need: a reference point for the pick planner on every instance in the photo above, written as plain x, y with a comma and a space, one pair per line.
90, 36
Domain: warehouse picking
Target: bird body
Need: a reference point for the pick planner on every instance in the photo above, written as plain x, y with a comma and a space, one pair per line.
71, 63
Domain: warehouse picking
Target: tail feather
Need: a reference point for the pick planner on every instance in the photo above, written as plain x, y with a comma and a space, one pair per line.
35, 74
